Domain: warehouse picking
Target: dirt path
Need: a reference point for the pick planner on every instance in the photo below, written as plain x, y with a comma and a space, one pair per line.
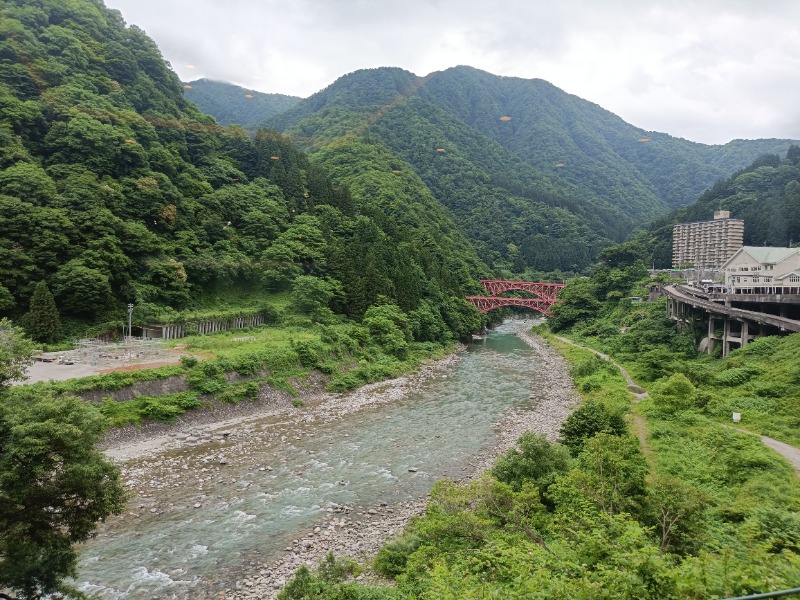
790, 453
633, 388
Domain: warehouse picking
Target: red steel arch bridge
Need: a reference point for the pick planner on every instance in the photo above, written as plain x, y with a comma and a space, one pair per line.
545, 295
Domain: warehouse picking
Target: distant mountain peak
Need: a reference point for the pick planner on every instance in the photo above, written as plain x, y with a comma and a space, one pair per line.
230, 103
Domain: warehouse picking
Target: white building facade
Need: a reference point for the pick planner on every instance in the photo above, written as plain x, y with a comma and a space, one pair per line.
763, 270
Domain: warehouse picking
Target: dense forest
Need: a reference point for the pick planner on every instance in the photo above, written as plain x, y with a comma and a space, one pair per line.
766, 195
115, 189
231, 104
525, 168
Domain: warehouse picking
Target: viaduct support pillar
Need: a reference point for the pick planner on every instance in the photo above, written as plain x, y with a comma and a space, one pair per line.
726, 332
710, 346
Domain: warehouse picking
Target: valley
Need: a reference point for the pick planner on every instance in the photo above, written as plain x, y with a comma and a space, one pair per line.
289, 358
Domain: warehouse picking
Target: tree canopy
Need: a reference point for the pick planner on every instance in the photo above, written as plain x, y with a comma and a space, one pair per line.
114, 188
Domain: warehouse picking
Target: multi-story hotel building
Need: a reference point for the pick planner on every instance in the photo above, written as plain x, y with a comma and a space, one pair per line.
707, 244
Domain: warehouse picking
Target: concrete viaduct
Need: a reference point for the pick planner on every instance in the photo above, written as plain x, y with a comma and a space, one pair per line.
739, 326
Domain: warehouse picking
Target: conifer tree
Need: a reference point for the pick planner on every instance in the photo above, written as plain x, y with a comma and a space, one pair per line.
42, 321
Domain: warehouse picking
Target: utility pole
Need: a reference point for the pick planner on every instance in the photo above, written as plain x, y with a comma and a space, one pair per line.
130, 318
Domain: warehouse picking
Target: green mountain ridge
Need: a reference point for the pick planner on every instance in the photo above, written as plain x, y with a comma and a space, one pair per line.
537, 178
115, 188
231, 104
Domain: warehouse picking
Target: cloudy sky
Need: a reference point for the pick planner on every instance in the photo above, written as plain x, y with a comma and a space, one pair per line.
705, 70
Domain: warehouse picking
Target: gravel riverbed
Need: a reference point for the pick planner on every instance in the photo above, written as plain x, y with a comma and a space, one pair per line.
157, 458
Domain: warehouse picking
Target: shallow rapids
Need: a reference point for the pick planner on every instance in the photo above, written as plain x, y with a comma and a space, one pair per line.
201, 516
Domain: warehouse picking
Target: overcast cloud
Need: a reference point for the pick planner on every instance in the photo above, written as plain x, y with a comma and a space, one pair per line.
706, 70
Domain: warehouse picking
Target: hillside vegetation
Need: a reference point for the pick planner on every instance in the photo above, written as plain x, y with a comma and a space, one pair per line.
538, 180
765, 194
231, 104
114, 189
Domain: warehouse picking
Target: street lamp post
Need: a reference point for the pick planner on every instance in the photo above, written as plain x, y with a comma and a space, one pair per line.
130, 318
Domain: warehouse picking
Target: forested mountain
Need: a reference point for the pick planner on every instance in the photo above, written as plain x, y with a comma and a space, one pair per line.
535, 177
766, 195
114, 189
231, 104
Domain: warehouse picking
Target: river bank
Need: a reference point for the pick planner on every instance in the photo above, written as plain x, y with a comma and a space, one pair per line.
359, 534
229, 504
198, 427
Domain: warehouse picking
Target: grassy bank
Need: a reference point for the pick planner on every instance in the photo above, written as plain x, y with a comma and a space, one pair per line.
282, 357
709, 513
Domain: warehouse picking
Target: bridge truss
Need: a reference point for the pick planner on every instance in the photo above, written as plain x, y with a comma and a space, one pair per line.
546, 295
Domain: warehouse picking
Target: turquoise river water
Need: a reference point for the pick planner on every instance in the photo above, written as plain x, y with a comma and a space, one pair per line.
362, 459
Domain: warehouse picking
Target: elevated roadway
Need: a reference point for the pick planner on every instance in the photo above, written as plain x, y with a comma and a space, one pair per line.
739, 326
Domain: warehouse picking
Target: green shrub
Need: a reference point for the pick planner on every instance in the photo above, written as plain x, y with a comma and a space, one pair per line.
764, 346
309, 352
392, 558
537, 460
157, 409
589, 366
344, 382
334, 570
207, 378
777, 527
282, 384
280, 360
328, 367
244, 364
151, 408
240, 391
590, 384
591, 418
674, 395
271, 314
188, 361
737, 375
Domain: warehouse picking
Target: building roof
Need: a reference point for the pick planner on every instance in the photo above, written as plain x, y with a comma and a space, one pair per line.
766, 255
785, 275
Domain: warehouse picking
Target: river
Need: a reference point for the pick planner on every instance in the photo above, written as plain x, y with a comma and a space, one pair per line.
200, 516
